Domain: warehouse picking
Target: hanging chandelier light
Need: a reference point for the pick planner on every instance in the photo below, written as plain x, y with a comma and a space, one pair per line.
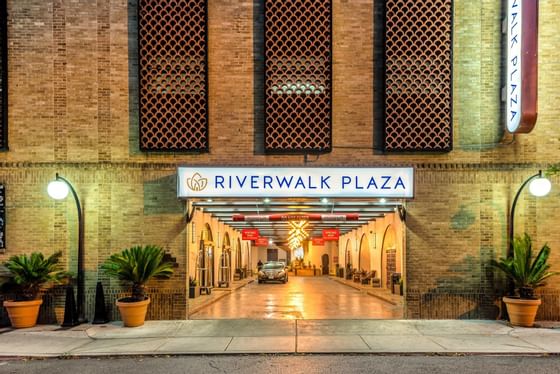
297, 233
294, 243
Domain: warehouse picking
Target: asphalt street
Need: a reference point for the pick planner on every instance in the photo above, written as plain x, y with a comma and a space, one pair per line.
291, 364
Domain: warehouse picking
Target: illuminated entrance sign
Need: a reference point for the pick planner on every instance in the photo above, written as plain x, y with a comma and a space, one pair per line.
289, 182
2, 219
521, 65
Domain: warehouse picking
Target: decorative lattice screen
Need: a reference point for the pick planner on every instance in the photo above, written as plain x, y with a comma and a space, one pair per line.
298, 75
173, 75
418, 75
3, 78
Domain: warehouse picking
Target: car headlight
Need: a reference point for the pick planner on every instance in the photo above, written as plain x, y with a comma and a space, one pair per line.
281, 273
261, 273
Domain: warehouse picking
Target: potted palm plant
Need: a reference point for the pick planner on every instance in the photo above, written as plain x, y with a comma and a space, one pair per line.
28, 275
527, 274
137, 265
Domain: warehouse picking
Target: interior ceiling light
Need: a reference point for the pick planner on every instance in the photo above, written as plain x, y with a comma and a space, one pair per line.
266, 200
297, 233
298, 236
294, 243
298, 224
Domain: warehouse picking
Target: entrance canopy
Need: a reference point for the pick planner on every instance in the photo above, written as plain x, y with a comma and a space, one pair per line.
269, 198
227, 211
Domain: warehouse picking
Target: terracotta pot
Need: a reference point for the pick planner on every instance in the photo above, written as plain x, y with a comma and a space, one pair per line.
133, 313
23, 313
522, 312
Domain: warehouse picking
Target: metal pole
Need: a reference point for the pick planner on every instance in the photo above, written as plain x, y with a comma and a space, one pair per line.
81, 256
512, 213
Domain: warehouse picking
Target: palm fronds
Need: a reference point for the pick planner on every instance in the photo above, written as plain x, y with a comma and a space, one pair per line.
138, 265
525, 272
29, 273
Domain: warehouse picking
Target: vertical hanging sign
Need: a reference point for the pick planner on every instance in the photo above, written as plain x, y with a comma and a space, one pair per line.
318, 241
250, 234
521, 65
261, 242
331, 234
2, 218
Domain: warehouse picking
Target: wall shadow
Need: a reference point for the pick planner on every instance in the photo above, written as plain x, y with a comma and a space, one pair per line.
468, 292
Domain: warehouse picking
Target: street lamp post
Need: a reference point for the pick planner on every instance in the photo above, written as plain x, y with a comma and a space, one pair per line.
58, 190
539, 186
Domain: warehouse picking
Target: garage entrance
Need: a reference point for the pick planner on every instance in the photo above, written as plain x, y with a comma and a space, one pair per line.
342, 257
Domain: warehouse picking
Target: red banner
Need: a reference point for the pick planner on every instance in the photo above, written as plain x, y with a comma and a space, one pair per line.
331, 234
250, 234
296, 217
318, 241
261, 242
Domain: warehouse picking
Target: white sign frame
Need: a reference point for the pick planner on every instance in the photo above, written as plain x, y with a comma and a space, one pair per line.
282, 182
514, 83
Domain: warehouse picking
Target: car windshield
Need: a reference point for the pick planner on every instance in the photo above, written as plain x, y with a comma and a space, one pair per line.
273, 266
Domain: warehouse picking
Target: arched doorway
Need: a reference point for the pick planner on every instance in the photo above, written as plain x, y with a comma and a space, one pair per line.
248, 260
364, 259
388, 256
224, 272
238, 256
325, 264
205, 258
348, 260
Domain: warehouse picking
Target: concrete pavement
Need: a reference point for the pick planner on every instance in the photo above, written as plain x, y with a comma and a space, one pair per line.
303, 298
281, 336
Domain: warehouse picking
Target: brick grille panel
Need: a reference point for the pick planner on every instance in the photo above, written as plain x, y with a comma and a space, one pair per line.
3, 78
173, 75
298, 75
418, 75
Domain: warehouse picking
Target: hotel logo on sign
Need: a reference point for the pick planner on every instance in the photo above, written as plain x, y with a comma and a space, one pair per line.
197, 182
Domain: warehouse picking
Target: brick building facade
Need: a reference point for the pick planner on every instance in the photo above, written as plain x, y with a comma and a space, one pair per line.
73, 109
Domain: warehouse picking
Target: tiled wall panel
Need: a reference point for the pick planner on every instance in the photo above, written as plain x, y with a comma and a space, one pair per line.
418, 75
298, 75
173, 75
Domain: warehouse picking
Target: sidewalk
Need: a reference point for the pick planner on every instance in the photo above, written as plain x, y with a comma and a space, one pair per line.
444, 337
